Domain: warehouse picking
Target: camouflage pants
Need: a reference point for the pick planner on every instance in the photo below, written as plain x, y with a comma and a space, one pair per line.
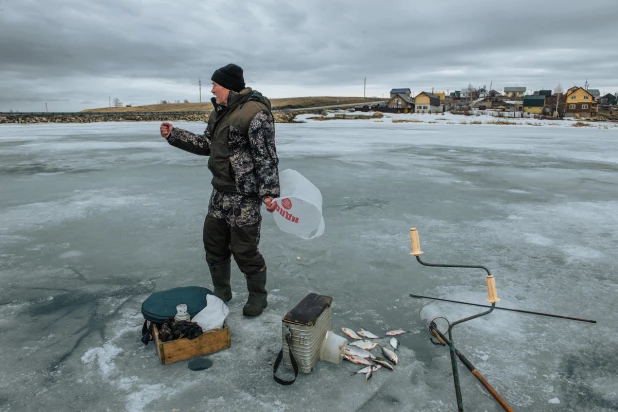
232, 227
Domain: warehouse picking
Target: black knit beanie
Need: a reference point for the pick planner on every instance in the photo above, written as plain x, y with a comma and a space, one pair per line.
230, 77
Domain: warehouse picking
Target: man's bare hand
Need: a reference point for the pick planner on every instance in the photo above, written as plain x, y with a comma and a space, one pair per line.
271, 205
166, 129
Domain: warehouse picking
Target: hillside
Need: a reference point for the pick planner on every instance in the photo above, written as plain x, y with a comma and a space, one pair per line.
283, 103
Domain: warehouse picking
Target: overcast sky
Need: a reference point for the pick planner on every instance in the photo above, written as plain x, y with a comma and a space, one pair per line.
76, 54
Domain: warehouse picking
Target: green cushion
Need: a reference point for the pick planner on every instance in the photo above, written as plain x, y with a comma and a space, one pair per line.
162, 305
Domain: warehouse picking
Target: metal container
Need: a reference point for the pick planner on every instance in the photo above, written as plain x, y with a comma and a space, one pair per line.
308, 323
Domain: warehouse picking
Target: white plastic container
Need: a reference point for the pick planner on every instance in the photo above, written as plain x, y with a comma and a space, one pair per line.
181, 313
299, 208
432, 313
333, 348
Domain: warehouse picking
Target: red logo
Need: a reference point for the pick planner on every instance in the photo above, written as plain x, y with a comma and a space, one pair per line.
286, 203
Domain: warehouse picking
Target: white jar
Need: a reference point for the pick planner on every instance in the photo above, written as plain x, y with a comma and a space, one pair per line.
181, 313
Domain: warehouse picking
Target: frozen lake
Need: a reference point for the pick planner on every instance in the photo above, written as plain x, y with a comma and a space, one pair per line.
95, 217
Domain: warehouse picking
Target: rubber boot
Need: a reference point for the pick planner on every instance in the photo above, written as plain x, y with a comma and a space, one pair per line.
256, 284
220, 275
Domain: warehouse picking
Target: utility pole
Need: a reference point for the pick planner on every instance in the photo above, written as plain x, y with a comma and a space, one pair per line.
110, 100
46, 107
200, 83
365, 88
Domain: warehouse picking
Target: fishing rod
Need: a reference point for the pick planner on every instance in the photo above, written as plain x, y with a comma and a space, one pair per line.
492, 297
513, 310
444, 341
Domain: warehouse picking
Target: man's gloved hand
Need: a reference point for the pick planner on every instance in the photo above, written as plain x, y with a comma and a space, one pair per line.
271, 205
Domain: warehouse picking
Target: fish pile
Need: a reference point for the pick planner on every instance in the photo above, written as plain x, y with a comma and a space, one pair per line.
358, 351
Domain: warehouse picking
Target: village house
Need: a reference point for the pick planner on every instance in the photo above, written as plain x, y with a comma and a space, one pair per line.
401, 99
608, 99
427, 103
441, 96
515, 92
580, 103
545, 93
596, 93
534, 104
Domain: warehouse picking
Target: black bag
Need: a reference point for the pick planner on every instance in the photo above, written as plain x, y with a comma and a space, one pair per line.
162, 305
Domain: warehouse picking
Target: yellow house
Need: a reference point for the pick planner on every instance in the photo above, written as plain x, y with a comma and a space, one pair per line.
580, 103
427, 103
441, 95
534, 104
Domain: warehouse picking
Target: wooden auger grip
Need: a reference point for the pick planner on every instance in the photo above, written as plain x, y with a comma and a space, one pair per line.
492, 295
416, 244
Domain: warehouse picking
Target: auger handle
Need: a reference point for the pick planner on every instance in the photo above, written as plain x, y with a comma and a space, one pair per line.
416, 244
492, 294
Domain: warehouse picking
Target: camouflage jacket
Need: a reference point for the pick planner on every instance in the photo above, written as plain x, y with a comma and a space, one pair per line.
240, 140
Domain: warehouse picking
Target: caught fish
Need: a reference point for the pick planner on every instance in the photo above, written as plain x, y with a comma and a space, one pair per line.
353, 350
366, 369
382, 362
362, 371
394, 342
357, 360
366, 334
351, 333
395, 332
364, 344
369, 375
389, 354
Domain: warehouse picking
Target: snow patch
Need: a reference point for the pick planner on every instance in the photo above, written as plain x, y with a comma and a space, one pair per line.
104, 357
71, 254
537, 239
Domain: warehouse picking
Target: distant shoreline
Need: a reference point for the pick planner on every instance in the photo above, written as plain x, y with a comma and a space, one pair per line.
81, 117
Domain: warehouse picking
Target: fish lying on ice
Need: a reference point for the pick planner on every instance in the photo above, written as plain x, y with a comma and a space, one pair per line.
364, 344
394, 342
366, 334
395, 332
389, 354
357, 360
366, 369
382, 362
351, 333
353, 350
369, 375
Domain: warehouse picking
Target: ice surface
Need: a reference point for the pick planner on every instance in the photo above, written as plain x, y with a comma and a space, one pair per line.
95, 217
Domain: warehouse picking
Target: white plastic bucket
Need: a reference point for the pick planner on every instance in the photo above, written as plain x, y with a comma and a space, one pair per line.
333, 348
299, 208
432, 313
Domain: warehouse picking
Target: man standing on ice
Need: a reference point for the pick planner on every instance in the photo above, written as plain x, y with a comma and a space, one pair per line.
240, 140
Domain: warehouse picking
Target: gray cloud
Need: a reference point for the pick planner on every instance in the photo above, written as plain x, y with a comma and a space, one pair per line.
75, 54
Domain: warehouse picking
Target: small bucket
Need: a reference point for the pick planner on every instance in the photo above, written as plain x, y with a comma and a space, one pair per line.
333, 348
431, 313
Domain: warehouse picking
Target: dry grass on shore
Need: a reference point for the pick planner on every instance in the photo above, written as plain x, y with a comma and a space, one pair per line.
581, 124
283, 103
505, 122
406, 121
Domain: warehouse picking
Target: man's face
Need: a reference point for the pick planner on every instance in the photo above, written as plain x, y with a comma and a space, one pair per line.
221, 93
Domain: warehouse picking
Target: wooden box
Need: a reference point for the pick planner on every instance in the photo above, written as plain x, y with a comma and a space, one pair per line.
182, 349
